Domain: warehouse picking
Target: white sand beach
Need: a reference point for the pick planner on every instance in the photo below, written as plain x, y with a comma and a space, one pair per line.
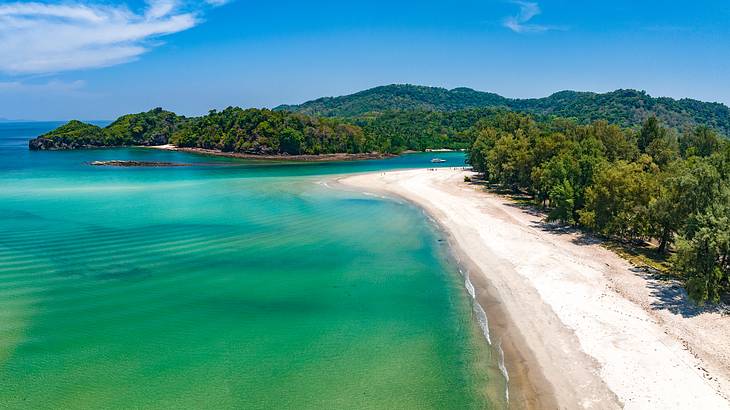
583, 328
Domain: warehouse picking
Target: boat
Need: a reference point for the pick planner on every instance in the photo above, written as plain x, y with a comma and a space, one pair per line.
438, 160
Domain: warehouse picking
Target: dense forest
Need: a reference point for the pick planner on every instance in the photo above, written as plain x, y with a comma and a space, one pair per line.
267, 132
252, 131
388, 119
257, 131
626, 108
651, 184
147, 128
398, 97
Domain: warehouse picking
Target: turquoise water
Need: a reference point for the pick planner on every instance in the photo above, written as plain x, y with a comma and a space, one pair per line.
228, 284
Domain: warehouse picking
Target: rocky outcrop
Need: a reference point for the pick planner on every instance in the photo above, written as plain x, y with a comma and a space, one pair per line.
120, 163
42, 144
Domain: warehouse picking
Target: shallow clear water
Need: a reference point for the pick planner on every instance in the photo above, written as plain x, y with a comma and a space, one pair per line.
227, 284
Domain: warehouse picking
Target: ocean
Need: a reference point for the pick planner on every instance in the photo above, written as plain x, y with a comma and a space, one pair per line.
226, 284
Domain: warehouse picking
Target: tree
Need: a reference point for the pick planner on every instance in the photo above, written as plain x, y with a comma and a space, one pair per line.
619, 144
701, 141
552, 173
485, 140
703, 253
562, 198
651, 131
686, 188
290, 141
510, 162
617, 203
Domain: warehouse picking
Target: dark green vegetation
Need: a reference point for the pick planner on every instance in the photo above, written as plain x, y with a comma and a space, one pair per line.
74, 134
398, 97
232, 130
626, 108
388, 119
147, 128
651, 185
267, 132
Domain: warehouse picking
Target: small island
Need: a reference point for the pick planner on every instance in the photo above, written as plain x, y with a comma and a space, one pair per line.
262, 134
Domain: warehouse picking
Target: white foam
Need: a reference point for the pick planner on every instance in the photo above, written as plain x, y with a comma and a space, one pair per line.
470, 288
483, 321
503, 369
484, 325
377, 196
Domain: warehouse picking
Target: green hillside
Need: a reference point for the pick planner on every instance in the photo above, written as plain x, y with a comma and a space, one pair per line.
627, 108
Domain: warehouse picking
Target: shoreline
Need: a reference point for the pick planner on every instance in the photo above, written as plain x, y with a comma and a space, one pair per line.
580, 328
526, 387
263, 157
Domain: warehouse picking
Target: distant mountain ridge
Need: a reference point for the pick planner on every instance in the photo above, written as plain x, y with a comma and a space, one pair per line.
627, 108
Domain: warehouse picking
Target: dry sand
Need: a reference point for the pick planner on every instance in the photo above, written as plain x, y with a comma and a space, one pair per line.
580, 327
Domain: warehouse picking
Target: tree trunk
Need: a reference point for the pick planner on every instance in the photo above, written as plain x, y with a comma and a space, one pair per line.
664, 241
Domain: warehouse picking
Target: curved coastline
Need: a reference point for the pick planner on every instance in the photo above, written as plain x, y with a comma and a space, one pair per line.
527, 384
528, 387
578, 326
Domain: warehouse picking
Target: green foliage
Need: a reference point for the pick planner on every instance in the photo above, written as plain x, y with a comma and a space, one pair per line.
397, 97
628, 185
703, 253
264, 131
685, 188
562, 197
701, 141
626, 108
510, 161
617, 203
395, 131
146, 128
76, 131
484, 142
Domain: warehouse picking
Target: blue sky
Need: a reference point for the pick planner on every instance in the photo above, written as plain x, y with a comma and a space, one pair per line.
92, 59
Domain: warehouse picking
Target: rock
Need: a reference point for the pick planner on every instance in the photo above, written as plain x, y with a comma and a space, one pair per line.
120, 163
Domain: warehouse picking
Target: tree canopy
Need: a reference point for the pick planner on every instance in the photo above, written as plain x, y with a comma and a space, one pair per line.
646, 184
263, 131
626, 108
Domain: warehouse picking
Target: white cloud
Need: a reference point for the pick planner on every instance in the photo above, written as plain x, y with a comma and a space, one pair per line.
520, 22
40, 38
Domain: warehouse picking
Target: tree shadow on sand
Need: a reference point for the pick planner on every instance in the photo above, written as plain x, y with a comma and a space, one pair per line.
670, 295
666, 290
581, 237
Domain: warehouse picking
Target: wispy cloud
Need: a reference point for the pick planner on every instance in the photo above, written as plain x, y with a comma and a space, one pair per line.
520, 23
41, 38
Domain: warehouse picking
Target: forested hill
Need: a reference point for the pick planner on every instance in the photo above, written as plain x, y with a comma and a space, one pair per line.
401, 97
627, 108
265, 132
